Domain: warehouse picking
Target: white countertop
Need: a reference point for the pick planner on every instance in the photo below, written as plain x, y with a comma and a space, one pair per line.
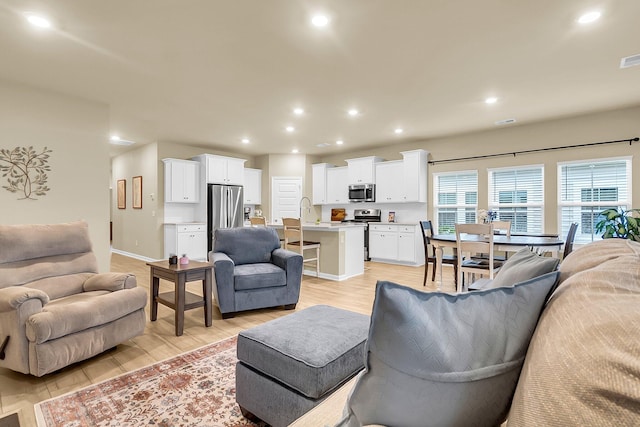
394, 223
326, 226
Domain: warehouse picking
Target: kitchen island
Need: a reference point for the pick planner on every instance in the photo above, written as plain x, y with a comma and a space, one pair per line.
341, 248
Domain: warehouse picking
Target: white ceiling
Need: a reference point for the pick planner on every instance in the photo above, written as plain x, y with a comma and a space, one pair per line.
210, 72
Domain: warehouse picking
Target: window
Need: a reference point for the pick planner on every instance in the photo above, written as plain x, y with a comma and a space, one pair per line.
586, 188
456, 199
517, 195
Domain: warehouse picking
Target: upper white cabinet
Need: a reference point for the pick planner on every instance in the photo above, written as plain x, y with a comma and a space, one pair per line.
387, 176
337, 187
222, 170
252, 186
415, 176
403, 180
181, 181
319, 182
362, 170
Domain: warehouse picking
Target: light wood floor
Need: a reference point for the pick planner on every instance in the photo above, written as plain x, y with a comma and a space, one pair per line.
19, 392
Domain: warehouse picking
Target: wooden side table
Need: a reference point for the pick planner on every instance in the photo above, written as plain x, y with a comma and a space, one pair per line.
181, 300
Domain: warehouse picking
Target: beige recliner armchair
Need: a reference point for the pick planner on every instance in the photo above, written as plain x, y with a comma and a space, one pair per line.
55, 309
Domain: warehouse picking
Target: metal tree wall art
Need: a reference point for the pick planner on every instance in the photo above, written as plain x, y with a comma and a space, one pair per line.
25, 170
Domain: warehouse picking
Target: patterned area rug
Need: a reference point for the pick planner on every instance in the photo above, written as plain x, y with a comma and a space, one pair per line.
194, 389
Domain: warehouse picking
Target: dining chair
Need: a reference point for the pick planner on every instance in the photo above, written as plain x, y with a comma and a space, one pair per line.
430, 254
294, 241
258, 221
568, 243
473, 239
502, 227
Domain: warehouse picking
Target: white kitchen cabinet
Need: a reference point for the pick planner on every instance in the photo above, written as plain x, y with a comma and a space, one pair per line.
383, 242
189, 239
396, 243
181, 181
337, 188
388, 189
362, 170
319, 183
252, 186
401, 181
224, 170
407, 247
414, 176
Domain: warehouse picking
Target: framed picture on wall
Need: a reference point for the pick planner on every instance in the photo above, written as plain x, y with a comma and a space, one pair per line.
137, 192
122, 193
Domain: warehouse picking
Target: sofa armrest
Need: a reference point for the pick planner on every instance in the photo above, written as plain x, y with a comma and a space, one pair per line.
17, 305
12, 297
223, 289
291, 263
110, 282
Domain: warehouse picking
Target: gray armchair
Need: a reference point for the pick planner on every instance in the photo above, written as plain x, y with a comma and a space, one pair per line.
55, 308
251, 271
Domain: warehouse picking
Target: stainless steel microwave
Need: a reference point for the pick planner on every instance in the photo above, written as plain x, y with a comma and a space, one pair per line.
362, 193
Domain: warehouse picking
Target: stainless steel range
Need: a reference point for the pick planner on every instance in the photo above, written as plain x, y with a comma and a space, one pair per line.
366, 216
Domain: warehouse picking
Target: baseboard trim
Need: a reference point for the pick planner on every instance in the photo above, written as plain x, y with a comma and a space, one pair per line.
132, 255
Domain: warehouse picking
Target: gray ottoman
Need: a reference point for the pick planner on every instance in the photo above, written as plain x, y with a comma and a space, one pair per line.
289, 365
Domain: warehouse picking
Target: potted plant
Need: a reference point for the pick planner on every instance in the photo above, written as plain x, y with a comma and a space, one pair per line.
619, 223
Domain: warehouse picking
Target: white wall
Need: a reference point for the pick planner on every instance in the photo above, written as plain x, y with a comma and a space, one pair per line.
77, 132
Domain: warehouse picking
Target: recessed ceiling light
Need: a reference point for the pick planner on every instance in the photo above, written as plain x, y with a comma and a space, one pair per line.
245, 140
339, 142
116, 140
38, 21
289, 128
398, 131
589, 17
491, 100
320, 20
505, 122
298, 111
353, 112
294, 151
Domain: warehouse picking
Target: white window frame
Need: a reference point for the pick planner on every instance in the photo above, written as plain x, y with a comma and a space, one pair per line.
460, 202
581, 236
493, 199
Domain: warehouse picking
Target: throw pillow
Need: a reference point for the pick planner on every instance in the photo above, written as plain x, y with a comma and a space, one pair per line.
444, 359
521, 266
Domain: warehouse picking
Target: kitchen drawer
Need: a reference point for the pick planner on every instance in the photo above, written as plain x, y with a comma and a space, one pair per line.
383, 227
190, 228
406, 228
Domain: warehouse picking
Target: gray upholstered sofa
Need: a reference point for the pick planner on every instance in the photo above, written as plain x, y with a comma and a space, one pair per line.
251, 271
55, 309
479, 358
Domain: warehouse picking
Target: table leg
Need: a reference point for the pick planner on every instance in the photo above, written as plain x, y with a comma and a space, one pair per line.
206, 290
179, 302
155, 286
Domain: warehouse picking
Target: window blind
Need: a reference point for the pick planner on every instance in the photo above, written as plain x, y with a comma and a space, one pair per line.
586, 188
517, 195
455, 199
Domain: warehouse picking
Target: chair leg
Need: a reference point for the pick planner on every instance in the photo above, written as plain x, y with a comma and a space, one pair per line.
435, 265
455, 274
317, 262
426, 269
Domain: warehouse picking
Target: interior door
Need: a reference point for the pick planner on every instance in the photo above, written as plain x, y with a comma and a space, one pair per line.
286, 193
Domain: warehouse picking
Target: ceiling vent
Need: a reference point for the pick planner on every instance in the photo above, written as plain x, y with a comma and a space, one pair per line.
630, 61
505, 122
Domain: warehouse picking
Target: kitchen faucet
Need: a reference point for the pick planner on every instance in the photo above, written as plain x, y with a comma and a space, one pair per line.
308, 206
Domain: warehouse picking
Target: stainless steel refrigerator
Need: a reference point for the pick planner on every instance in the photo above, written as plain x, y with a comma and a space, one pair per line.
225, 208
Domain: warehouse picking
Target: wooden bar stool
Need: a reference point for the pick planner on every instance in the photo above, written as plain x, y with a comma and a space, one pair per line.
293, 241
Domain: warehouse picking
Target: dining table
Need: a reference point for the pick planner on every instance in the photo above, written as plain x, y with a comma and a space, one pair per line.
501, 242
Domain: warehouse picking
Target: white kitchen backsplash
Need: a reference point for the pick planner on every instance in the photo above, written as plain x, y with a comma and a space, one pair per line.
405, 213
179, 212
